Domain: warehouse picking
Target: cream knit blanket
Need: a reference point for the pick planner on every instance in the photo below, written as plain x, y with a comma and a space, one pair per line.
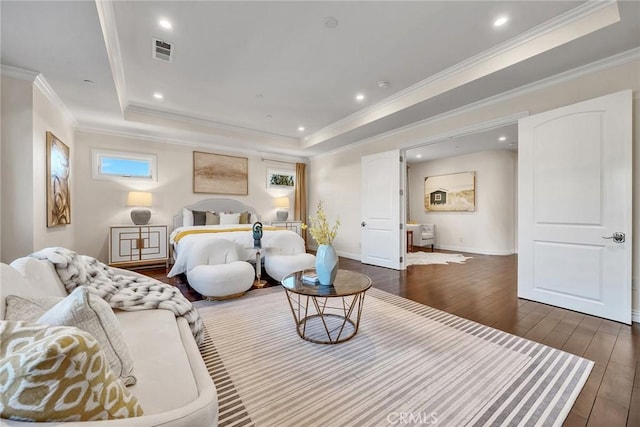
121, 291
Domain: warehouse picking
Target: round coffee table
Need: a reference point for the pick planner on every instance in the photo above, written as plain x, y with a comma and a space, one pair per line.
327, 314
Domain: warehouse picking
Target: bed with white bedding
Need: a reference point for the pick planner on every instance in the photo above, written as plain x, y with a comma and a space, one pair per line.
184, 237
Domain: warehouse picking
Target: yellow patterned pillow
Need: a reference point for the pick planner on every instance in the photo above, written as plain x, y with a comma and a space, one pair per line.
58, 373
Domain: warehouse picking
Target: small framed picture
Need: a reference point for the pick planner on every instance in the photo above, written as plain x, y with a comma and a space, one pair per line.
281, 179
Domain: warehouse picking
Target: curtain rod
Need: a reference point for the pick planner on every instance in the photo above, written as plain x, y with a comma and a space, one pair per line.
277, 161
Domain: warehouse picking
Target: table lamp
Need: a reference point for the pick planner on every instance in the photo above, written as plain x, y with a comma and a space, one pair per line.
141, 200
282, 202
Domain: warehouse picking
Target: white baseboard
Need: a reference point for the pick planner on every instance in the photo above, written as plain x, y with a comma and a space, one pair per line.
340, 253
477, 250
635, 316
349, 255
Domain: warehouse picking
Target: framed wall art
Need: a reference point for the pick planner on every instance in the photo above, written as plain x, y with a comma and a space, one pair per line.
58, 190
220, 174
450, 193
281, 179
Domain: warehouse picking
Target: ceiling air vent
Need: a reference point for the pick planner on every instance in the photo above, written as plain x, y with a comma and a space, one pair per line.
161, 50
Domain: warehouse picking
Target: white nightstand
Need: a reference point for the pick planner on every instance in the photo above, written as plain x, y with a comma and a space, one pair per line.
132, 246
289, 225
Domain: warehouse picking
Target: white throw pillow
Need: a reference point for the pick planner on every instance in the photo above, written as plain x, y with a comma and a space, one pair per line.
93, 315
187, 218
226, 218
28, 309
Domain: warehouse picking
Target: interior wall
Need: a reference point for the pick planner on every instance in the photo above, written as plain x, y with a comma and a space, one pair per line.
104, 201
48, 117
17, 168
335, 177
27, 114
490, 229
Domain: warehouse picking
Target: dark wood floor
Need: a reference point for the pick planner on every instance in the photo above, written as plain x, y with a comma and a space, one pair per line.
484, 290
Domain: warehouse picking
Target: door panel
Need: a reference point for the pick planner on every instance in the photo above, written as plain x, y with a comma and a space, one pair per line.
574, 190
568, 172
381, 203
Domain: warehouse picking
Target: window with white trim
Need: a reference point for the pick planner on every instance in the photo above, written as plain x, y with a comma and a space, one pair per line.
119, 165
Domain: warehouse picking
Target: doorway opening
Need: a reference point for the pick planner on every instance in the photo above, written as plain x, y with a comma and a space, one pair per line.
476, 167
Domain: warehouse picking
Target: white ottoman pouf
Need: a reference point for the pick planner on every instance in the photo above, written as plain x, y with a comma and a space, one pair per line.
215, 271
280, 266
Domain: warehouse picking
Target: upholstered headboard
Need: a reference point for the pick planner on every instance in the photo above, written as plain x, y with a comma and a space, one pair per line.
217, 205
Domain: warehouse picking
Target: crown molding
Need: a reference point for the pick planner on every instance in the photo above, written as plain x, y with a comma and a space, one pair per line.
44, 86
125, 133
585, 70
18, 73
467, 130
573, 24
201, 121
107, 17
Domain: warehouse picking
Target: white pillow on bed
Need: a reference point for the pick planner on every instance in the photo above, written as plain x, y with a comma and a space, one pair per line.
187, 218
226, 218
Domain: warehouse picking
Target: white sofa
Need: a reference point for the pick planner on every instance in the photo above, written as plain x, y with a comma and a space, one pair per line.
173, 385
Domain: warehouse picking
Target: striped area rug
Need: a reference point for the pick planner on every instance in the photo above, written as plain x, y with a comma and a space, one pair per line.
409, 364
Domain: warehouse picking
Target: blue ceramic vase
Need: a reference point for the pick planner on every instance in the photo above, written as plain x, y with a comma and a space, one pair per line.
326, 264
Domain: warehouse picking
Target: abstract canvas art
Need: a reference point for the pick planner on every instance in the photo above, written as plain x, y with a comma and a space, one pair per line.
58, 194
450, 193
220, 174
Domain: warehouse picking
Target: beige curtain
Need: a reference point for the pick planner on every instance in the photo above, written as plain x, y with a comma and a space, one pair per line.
300, 211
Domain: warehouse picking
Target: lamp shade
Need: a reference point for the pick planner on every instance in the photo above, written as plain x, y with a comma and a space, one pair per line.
281, 202
139, 198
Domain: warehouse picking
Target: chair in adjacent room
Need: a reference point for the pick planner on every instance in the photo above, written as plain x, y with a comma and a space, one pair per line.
426, 236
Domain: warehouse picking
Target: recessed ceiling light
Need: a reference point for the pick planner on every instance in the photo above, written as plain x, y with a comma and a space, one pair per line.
418, 156
360, 97
330, 22
300, 128
502, 138
383, 84
158, 95
165, 24
500, 21
89, 82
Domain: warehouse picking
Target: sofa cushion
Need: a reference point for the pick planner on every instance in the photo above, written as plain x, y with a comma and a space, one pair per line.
58, 374
165, 377
43, 281
92, 314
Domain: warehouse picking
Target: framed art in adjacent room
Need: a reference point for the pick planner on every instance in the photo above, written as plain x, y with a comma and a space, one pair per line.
281, 179
58, 191
450, 193
220, 174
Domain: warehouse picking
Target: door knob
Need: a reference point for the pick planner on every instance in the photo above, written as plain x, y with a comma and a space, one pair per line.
363, 223
617, 237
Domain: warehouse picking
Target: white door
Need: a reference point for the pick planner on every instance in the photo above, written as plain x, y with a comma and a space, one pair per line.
574, 195
381, 203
